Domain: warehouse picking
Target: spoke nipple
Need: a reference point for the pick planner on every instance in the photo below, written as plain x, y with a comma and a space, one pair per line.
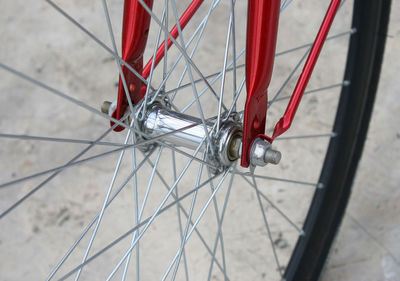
320, 185
105, 107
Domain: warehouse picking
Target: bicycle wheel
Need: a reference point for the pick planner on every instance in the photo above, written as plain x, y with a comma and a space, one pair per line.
80, 201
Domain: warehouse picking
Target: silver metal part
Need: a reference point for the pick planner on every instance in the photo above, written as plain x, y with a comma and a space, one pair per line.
108, 107
183, 130
229, 140
261, 153
105, 107
160, 120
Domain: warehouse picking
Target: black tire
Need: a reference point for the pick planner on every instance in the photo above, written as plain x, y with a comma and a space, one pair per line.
365, 55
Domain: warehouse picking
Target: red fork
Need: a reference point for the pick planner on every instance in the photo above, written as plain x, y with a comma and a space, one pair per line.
262, 26
135, 28
136, 23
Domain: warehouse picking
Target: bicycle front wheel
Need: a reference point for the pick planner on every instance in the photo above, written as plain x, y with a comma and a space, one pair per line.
94, 204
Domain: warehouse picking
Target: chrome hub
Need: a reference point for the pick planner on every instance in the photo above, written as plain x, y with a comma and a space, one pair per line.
181, 130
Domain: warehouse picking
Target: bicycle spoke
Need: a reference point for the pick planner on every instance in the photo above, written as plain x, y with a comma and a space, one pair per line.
218, 74
98, 41
116, 57
71, 249
199, 106
62, 95
284, 4
309, 46
267, 226
186, 215
130, 231
212, 82
221, 93
178, 210
291, 222
61, 140
201, 214
350, 32
343, 84
134, 240
219, 236
159, 208
236, 96
136, 214
331, 135
180, 48
200, 30
165, 63
43, 183
146, 96
299, 63
117, 167
248, 174
131, 146
234, 48
140, 213
189, 218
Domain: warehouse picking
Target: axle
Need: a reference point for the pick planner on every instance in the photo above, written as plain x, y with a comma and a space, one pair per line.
227, 142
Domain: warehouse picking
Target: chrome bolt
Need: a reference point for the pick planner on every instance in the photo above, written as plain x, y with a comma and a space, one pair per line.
105, 107
108, 108
261, 153
272, 156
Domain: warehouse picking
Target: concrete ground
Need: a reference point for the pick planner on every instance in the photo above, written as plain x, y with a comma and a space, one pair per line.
38, 41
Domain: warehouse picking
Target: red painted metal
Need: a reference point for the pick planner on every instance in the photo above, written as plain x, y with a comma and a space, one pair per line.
258, 57
184, 19
287, 119
262, 29
135, 28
